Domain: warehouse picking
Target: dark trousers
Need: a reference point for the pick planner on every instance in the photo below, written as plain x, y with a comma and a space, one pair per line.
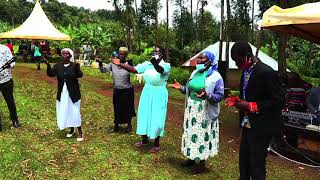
7, 92
123, 105
253, 153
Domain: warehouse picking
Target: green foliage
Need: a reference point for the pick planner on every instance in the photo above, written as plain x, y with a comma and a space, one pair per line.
271, 50
137, 59
101, 35
209, 28
181, 75
182, 26
147, 20
241, 19
4, 26
314, 81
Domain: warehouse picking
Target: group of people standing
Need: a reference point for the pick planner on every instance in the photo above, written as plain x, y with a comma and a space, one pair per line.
259, 103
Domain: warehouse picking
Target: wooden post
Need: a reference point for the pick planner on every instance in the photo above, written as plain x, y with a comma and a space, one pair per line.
282, 63
260, 37
138, 29
221, 31
252, 23
227, 43
167, 31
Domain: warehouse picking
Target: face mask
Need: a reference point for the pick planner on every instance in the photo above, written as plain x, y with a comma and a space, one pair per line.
200, 67
247, 64
156, 56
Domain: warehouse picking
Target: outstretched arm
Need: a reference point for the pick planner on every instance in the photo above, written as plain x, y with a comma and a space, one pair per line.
124, 66
155, 63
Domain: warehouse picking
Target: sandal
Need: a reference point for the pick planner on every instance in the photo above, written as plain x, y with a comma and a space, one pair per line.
140, 143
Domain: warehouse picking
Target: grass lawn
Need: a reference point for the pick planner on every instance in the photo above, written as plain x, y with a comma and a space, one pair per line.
38, 150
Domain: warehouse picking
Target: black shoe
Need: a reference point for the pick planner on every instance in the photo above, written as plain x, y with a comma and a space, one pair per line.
188, 163
16, 124
200, 168
116, 128
129, 128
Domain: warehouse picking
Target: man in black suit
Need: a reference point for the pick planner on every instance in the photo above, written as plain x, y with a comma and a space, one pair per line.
260, 103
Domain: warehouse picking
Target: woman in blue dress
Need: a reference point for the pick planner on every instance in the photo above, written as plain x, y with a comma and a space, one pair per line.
153, 99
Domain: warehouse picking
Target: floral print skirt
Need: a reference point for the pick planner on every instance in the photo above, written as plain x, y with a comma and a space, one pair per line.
200, 139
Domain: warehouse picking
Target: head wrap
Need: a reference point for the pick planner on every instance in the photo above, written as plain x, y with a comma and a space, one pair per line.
124, 49
71, 53
213, 62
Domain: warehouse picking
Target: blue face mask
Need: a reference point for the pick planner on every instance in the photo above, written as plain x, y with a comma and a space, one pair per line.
200, 67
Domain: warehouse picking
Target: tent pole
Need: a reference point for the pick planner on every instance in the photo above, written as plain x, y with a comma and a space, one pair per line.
282, 65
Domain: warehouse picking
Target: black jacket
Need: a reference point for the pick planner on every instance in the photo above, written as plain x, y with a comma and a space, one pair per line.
266, 89
70, 75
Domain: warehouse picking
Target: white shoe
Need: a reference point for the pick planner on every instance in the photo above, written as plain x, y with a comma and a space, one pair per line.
70, 135
80, 139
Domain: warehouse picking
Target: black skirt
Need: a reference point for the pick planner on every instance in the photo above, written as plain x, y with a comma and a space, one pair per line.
123, 105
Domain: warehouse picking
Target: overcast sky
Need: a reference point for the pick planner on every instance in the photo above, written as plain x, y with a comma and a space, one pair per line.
104, 4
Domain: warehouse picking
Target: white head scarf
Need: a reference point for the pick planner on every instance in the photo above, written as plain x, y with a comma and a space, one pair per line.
71, 53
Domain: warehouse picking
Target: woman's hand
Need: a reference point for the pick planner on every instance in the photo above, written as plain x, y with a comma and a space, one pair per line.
116, 61
98, 60
46, 62
175, 85
202, 95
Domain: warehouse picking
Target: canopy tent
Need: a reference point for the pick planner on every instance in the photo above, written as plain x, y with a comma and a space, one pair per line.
214, 48
37, 26
301, 21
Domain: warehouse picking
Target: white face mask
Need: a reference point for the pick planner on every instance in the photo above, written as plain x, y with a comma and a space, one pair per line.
156, 56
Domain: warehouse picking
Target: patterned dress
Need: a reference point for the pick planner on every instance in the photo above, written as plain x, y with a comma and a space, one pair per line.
200, 139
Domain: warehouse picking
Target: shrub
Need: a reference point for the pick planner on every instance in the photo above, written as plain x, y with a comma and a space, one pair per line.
181, 75
137, 59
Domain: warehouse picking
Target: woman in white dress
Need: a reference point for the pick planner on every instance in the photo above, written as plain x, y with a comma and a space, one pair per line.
68, 96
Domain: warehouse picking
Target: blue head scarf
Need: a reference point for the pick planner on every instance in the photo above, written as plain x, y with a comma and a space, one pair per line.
213, 60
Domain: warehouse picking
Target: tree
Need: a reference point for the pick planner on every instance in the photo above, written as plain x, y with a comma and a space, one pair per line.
242, 17
227, 41
167, 30
221, 29
252, 22
181, 19
137, 26
203, 4
148, 18
209, 29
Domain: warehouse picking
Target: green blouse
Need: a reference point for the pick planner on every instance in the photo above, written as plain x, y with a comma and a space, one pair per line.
197, 84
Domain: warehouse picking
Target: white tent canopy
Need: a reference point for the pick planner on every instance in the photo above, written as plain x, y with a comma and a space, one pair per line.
214, 48
37, 26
